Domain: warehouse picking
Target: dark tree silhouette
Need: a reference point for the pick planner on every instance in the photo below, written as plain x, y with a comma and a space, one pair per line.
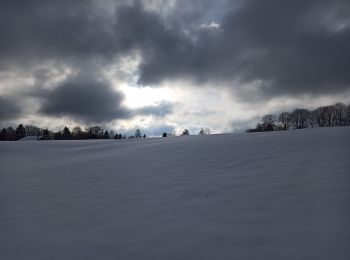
66, 135
20, 132
300, 118
268, 122
46, 135
11, 134
325, 116
77, 133
204, 131
339, 114
347, 116
284, 118
138, 133
118, 136
3, 135
186, 132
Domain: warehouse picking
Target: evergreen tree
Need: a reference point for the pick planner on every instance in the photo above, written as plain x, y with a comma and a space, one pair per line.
186, 132
20, 132
46, 134
66, 135
118, 136
11, 134
3, 135
57, 136
77, 133
138, 133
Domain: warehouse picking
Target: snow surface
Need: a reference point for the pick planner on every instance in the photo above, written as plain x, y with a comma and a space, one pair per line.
29, 138
280, 195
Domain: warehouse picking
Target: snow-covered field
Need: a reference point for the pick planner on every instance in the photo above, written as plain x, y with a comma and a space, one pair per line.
280, 195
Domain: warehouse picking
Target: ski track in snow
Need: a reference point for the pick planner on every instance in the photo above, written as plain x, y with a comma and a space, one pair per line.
279, 195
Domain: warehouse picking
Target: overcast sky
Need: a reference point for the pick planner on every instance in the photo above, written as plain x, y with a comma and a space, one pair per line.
167, 65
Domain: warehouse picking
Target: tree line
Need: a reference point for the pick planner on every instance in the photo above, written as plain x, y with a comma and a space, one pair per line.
77, 133
324, 116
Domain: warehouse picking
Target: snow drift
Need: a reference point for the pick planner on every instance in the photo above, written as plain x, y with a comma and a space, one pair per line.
278, 195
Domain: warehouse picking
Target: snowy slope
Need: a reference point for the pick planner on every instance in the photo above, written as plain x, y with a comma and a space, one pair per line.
29, 138
281, 195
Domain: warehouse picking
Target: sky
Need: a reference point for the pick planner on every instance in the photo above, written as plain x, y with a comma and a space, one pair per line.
163, 66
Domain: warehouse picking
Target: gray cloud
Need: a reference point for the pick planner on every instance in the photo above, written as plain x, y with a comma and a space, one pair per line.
289, 47
86, 97
282, 45
160, 110
9, 108
279, 44
37, 30
84, 36
285, 48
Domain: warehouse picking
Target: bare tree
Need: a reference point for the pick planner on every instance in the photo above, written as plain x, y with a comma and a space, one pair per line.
284, 118
77, 132
204, 131
268, 122
300, 118
313, 120
326, 114
317, 116
347, 117
339, 114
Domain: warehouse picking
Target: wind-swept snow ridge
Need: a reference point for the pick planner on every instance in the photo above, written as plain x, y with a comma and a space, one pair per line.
279, 195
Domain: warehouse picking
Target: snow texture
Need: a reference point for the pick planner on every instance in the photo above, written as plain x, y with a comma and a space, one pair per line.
279, 195
29, 138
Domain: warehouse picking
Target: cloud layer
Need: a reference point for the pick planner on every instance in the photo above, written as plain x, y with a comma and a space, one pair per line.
292, 44
251, 47
84, 97
287, 48
9, 108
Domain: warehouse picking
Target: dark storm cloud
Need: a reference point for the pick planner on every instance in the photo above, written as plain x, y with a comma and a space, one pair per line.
84, 97
286, 45
87, 30
50, 29
290, 47
163, 48
88, 97
82, 35
9, 108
